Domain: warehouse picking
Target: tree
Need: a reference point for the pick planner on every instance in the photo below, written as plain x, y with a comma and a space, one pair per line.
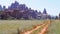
4, 7
59, 15
49, 16
34, 14
3, 16
56, 17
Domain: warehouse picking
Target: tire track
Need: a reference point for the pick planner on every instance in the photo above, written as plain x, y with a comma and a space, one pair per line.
45, 26
37, 27
44, 30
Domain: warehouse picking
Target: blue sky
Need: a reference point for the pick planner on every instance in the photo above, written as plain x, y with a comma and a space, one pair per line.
52, 6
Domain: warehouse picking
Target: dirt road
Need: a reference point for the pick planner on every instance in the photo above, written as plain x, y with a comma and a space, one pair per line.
45, 26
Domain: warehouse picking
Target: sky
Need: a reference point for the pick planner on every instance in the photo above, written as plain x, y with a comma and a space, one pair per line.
52, 6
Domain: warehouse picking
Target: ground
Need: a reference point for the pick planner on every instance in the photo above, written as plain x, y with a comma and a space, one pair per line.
54, 27
11, 26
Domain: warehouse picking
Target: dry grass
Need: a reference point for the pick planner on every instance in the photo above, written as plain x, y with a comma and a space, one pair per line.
10, 26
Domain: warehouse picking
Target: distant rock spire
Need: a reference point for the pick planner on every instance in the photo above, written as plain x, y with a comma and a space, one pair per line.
0, 7
44, 12
16, 3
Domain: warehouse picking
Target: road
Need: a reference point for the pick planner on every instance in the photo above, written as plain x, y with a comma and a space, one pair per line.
45, 26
